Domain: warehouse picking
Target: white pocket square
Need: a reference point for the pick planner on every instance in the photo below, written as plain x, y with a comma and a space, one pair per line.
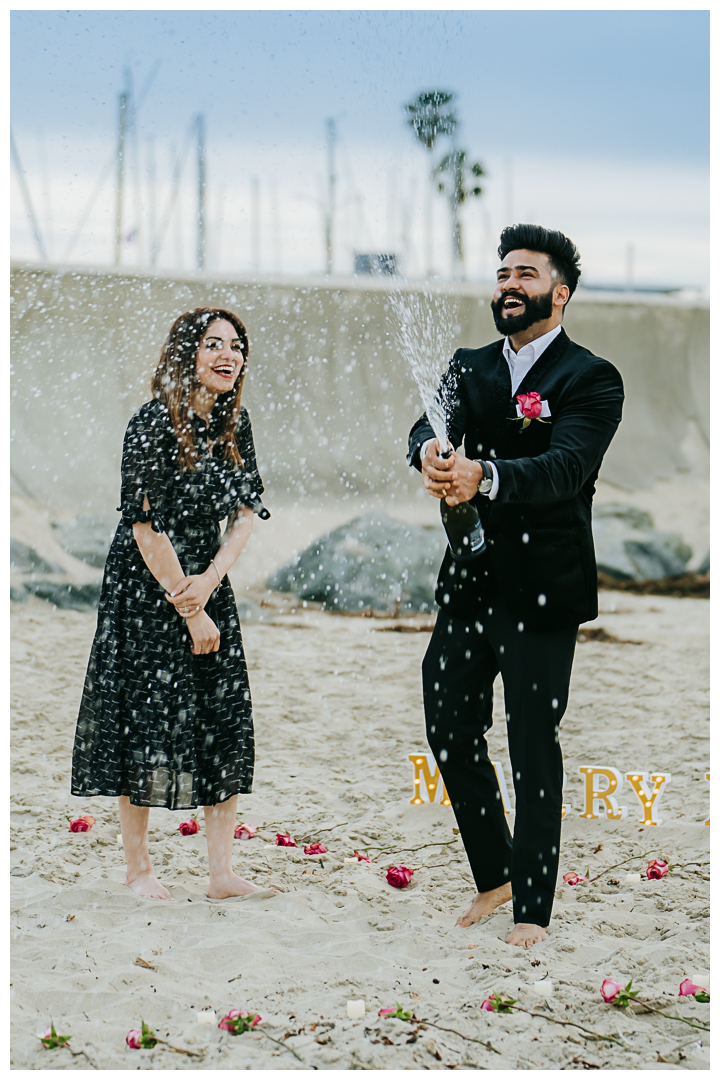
544, 411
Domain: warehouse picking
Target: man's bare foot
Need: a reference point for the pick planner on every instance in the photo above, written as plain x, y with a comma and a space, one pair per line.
526, 934
484, 903
224, 885
147, 885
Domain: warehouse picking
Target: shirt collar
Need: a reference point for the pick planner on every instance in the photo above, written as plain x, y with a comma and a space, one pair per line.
533, 350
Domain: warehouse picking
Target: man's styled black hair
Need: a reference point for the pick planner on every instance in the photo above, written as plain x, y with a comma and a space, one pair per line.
564, 257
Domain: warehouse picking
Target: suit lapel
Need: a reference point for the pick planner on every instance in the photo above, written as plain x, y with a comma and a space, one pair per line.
551, 355
502, 385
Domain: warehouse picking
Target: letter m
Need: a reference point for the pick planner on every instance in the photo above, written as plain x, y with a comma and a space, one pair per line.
427, 776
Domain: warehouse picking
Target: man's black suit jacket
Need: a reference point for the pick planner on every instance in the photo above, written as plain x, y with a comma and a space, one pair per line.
540, 553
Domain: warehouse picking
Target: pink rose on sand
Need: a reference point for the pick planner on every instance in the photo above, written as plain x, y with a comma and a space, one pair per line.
572, 878
396, 1012
498, 1003
236, 1021
51, 1040
315, 849
530, 404
615, 994
143, 1039
82, 824
361, 858
610, 990
189, 827
689, 989
245, 831
657, 868
399, 876
284, 840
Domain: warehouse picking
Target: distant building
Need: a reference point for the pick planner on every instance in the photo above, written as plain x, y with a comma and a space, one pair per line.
384, 265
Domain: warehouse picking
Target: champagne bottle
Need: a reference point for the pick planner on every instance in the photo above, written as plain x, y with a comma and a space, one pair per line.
463, 528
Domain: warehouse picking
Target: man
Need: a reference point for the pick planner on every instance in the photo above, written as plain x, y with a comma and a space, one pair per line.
537, 413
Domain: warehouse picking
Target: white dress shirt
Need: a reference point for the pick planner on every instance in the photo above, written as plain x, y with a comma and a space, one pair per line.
519, 364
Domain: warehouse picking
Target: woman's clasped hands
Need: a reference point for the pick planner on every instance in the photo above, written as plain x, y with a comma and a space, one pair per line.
189, 598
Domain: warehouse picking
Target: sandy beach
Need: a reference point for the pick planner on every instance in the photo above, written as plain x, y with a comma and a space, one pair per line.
337, 710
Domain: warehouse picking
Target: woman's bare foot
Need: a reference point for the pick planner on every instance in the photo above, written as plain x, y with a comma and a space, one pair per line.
526, 934
229, 884
484, 903
147, 885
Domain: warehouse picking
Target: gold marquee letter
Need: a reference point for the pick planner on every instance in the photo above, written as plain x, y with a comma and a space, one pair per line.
593, 795
433, 781
648, 802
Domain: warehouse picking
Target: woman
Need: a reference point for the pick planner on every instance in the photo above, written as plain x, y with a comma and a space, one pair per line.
166, 718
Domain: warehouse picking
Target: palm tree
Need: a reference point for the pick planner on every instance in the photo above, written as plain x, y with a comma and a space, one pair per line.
454, 165
430, 116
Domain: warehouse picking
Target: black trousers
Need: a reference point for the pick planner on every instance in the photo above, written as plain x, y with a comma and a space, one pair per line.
459, 668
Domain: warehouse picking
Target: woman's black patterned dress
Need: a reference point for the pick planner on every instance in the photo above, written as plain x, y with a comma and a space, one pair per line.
157, 723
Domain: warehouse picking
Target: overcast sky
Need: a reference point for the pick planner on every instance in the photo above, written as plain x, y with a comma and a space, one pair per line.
597, 117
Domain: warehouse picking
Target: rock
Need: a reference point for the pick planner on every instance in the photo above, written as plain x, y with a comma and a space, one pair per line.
374, 563
25, 560
66, 595
87, 537
629, 547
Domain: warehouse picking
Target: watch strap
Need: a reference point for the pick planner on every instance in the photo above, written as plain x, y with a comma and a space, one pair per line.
487, 478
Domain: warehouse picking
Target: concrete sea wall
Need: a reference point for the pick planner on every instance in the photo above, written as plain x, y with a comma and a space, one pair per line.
331, 399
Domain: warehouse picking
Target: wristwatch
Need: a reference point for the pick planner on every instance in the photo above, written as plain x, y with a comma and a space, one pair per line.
485, 485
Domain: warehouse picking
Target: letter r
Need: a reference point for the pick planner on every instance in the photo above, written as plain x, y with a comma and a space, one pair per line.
594, 795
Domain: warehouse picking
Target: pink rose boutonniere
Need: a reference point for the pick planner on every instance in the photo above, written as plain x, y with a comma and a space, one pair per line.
531, 407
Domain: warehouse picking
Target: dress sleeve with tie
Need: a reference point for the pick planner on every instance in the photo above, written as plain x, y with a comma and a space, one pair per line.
146, 466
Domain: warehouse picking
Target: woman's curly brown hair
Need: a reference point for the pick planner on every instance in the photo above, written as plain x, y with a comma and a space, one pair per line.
175, 382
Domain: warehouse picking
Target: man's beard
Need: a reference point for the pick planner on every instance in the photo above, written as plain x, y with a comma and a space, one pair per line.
537, 308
